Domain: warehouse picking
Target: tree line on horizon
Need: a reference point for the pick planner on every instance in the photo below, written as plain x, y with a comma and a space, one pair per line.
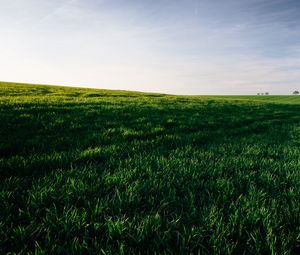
296, 92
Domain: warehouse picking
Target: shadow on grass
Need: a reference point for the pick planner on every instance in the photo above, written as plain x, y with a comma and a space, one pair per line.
40, 138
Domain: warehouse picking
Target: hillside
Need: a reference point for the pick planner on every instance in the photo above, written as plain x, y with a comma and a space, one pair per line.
87, 171
267, 99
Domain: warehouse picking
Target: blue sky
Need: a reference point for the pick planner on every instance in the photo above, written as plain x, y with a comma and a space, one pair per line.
171, 46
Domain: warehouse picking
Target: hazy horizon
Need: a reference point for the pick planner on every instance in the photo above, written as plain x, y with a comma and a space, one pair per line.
178, 47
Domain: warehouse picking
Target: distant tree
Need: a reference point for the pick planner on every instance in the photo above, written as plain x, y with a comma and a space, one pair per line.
267, 93
296, 92
258, 94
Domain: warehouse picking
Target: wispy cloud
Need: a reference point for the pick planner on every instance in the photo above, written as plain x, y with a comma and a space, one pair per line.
62, 7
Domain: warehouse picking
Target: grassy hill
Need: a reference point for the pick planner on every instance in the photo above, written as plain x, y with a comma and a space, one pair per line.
88, 171
267, 99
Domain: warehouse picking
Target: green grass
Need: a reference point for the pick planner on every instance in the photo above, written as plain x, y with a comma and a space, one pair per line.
268, 99
113, 172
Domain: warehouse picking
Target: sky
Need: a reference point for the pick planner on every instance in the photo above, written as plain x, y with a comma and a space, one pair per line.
198, 47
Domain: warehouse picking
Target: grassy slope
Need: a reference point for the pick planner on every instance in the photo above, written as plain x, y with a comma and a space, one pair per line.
112, 172
268, 99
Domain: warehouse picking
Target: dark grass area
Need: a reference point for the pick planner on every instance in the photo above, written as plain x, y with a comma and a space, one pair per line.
113, 172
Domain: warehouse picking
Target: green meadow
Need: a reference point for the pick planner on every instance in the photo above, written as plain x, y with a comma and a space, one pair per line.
86, 171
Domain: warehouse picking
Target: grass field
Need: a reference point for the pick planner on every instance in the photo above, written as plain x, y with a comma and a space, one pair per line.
113, 172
